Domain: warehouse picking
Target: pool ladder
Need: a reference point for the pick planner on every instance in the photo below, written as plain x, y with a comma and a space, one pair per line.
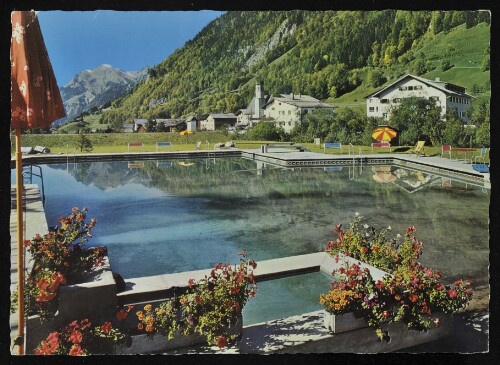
28, 178
351, 147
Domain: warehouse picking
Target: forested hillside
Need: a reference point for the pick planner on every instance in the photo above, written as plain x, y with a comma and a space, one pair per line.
333, 56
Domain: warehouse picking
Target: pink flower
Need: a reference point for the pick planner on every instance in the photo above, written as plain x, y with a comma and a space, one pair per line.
76, 350
452, 293
106, 327
76, 337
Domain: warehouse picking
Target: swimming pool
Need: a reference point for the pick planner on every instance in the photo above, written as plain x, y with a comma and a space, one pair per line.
168, 216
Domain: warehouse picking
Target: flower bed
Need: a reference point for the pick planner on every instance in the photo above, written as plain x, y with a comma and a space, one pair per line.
410, 293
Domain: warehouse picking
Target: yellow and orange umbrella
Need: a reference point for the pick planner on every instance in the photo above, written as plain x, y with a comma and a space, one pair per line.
384, 134
384, 177
185, 133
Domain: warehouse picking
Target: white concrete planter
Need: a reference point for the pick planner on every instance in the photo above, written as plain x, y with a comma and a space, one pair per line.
147, 344
343, 323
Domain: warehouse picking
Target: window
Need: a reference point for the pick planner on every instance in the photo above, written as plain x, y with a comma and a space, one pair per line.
410, 87
418, 87
384, 115
402, 88
376, 109
289, 112
272, 108
384, 101
371, 109
289, 123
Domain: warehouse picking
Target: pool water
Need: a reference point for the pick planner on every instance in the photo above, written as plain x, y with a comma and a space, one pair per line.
160, 217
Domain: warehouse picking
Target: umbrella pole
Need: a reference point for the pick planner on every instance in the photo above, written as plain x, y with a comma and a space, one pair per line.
20, 243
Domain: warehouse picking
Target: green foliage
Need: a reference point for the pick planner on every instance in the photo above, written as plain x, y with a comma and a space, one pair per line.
209, 307
319, 53
409, 293
83, 143
415, 117
445, 65
264, 131
375, 78
453, 132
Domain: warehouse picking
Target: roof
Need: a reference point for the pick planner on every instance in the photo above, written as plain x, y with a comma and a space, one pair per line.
300, 101
140, 121
170, 122
222, 115
440, 85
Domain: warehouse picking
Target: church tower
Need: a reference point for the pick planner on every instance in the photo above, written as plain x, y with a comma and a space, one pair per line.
259, 100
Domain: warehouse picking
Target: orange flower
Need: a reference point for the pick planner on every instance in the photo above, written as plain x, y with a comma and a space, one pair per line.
45, 297
149, 328
140, 326
106, 327
221, 341
147, 307
76, 350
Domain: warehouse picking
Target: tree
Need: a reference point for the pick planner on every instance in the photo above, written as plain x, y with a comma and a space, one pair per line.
415, 117
150, 125
375, 78
453, 133
84, 143
264, 131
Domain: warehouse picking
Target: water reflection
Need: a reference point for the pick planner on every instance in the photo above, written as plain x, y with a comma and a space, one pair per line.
177, 215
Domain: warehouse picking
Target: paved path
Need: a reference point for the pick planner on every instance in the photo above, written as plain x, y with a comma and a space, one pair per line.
35, 222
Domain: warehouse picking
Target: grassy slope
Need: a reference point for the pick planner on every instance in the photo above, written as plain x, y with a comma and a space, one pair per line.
469, 47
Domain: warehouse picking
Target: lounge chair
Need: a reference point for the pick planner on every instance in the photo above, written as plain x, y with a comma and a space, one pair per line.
198, 145
482, 155
446, 148
418, 149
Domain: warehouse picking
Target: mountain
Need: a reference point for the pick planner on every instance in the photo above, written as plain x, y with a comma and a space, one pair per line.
325, 54
97, 87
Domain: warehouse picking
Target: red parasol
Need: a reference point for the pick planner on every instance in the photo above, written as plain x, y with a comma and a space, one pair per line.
384, 134
35, 103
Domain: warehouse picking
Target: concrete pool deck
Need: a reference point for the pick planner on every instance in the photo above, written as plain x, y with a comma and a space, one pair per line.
471, 335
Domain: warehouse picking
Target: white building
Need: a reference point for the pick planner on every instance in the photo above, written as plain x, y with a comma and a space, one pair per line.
447, 96
254, 112
218, 121
286, 111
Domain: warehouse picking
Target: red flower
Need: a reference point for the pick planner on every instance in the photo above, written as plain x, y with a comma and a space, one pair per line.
197, 299
379, 284
235, 290
85, 323
42, 284
45, 297
191, 282
439, 286
218, 266
452, 293
76, 350
121, 315
106, 327
252, 263
242, 253
140, 326
76, 337
413, 298
221, 341
410, 230
337, 228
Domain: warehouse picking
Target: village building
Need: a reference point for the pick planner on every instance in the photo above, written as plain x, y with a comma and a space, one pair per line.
448, 96
128, 127
191, 123
254, 112
287, 111
172, 125
217, 121
140, 125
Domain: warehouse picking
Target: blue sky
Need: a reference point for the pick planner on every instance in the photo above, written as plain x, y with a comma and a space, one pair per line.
129, 40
